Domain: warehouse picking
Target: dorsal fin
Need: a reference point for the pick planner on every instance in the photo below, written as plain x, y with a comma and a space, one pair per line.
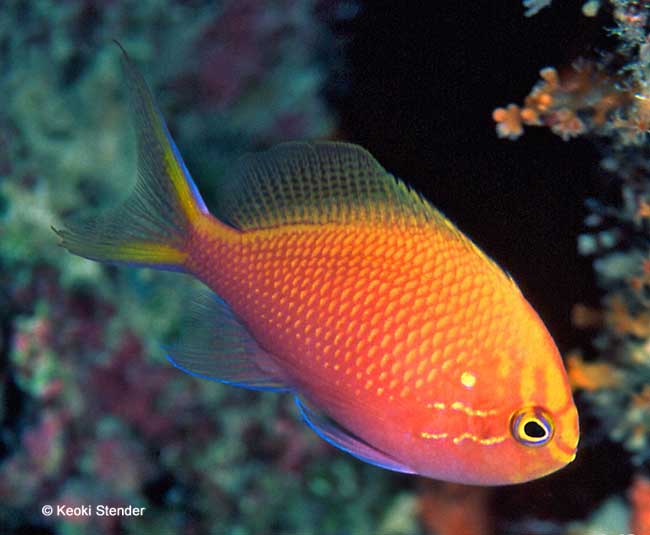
321, 182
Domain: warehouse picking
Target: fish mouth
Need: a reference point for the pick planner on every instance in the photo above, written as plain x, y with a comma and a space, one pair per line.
569, 452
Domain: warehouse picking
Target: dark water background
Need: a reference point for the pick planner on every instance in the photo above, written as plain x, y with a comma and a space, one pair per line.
415, 83
423, 84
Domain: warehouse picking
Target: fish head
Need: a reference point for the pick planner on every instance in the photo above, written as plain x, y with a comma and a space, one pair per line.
533, 429
508, 414
512, 446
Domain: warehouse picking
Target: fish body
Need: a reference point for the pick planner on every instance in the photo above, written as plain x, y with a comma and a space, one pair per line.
404, 344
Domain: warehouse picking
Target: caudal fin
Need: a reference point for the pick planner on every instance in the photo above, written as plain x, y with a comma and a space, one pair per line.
151, 227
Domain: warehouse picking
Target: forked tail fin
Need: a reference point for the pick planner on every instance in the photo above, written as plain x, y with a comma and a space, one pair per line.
152, 226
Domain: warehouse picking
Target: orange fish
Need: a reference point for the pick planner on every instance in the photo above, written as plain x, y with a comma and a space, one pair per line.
402, 342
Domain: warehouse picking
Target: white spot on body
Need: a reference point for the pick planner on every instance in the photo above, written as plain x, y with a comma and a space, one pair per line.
468, 379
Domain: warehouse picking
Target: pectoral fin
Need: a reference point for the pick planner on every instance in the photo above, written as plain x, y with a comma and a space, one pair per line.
216, 345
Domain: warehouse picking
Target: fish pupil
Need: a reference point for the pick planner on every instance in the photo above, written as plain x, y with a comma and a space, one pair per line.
534, 430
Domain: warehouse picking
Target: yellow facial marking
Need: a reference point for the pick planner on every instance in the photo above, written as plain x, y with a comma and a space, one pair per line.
483, 441
468, 379
556, 453
434, 436
556, 397
458, 406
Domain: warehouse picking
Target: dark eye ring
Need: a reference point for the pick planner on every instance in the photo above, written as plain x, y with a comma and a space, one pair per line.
532, 426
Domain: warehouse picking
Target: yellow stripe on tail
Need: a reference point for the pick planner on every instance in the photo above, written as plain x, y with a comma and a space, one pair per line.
152, 226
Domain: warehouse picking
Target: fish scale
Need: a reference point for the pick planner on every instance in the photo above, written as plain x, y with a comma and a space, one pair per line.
391, 339
326, 277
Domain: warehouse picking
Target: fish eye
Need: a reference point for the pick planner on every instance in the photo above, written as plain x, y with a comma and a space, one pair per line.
532, 426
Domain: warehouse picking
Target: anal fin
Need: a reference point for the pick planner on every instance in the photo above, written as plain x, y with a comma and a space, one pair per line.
216, 345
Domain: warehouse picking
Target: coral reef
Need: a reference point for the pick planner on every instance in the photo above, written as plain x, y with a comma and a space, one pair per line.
451, 509
103, 423
92, 414
606, 97
579, 101
607, 100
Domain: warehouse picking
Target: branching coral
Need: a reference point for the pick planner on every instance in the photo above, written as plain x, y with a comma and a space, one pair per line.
593, 97
95, 415
609, 99
583, 99
597, 99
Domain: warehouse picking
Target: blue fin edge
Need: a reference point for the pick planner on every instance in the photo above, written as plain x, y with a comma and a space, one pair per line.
190, 181
131, 70
380, 459
224, 381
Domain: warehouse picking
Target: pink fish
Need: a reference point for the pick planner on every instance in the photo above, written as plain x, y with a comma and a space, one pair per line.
403, 343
